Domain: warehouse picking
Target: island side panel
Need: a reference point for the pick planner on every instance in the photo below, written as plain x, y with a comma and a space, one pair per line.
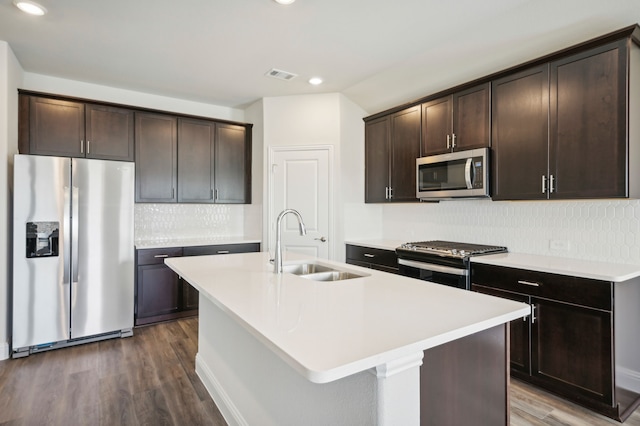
466, 381
251, 385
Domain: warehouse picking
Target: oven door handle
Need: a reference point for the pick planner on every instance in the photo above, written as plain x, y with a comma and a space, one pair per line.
433, 267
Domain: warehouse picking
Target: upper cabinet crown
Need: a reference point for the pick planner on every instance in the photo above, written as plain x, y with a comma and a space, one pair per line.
457, 122
65, 128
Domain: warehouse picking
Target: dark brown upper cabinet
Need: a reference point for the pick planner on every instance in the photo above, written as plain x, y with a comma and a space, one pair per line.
156, 158
214, 163
376, 160
195, 161
457, 122
392, 144
179, 158
109, 133
232, 160
520, 134
50, 126
588, 124
560, 129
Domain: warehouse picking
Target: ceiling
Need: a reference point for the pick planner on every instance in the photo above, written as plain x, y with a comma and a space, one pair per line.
377, 53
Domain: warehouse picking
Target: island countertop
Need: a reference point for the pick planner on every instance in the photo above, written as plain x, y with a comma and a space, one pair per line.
330, 330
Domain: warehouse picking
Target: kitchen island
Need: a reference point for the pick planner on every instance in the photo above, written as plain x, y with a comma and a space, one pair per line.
283, 349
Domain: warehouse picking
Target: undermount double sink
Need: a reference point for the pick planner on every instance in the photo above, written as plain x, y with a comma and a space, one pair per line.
316, 272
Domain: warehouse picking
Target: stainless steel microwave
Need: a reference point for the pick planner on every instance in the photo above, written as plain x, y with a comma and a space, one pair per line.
462, 174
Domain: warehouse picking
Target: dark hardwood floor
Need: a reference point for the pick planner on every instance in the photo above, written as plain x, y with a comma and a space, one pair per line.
150, 379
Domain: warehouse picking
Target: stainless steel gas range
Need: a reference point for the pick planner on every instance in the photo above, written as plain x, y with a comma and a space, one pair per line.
442, 262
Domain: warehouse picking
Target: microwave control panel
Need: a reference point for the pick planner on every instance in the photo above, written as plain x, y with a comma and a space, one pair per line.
478, 172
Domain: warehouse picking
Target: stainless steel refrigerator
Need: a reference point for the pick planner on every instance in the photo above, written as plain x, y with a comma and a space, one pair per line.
73, 252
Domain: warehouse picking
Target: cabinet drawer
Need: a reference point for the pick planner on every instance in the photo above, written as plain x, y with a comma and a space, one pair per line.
154, 256
580, 291
372, 255
221, 249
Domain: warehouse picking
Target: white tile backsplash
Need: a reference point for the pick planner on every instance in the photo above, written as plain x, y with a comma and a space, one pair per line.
605, 230
166, 221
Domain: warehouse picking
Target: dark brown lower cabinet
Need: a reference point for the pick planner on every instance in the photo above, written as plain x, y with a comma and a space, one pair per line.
161, 294
158, 288
466, 381
568, 345
373, 258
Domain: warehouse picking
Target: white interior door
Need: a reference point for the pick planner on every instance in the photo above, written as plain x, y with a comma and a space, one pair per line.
300, 179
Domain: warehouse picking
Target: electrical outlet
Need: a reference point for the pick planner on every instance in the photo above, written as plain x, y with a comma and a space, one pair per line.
559, 245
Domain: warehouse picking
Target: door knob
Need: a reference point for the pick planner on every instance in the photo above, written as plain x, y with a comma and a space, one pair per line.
323, 239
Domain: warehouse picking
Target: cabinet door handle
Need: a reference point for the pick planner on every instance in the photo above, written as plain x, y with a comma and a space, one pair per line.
223, 252
81, 146
211, 194
453, 140
369, 255
529, 283
390, 192
533, 314
386, 192
551, 185
88, 147
544, 184
161, 255
448, 142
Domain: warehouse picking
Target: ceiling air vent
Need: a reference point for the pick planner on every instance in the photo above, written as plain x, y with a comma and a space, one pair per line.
281, 75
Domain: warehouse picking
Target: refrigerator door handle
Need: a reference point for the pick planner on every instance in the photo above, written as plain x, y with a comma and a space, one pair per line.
74, 235
66, 279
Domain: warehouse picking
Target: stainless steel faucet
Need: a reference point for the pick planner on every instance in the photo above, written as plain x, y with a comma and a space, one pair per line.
277, 264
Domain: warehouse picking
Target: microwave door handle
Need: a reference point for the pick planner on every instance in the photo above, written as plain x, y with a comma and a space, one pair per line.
468, 176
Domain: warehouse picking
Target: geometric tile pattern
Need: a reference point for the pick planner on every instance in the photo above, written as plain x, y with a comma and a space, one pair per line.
602, 230
159, 222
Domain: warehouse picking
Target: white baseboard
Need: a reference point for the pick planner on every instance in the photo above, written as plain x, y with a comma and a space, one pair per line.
228, 409
4, 351
628, 379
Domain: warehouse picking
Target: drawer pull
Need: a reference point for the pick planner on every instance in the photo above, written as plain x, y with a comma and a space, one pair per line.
223, 251
369, 255
529, 283
161, 255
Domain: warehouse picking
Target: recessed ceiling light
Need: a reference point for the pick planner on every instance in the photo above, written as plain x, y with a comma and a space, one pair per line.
30, 7
315, 81
284, 1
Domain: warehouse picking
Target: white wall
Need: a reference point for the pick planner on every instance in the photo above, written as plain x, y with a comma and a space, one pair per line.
253, 218
11, 75
305, 120
322, 119
358, 220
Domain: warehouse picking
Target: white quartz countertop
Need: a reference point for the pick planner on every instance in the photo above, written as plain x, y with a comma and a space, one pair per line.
615, 272
380, 244
330, 330
191, 242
